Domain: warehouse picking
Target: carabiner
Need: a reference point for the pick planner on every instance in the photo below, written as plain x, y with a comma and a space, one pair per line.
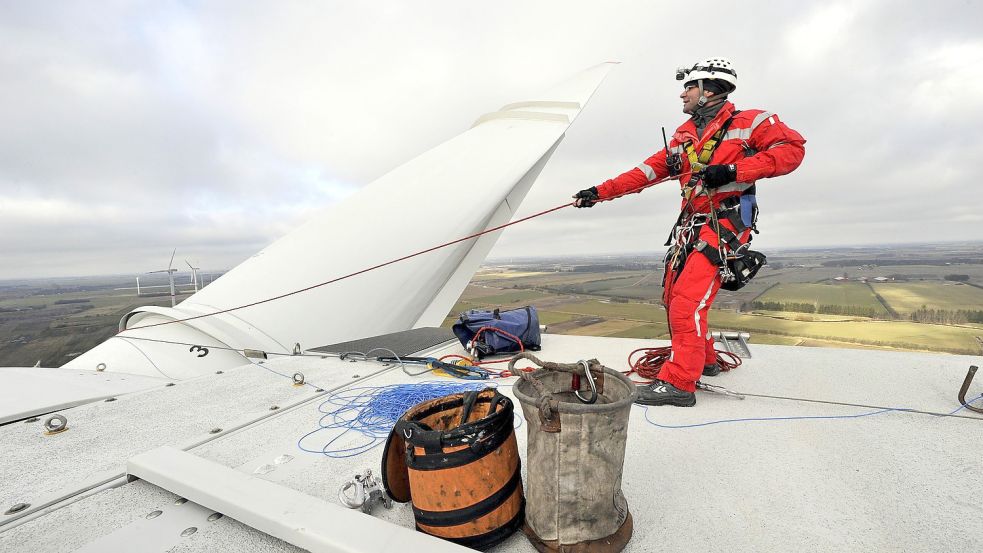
590, 382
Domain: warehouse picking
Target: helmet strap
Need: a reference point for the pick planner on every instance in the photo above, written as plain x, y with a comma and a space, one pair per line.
703, 99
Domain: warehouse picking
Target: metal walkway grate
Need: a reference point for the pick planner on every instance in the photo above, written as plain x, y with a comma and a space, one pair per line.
405, 342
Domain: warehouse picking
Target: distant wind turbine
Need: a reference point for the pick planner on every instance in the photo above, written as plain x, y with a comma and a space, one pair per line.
194, 274
170, 275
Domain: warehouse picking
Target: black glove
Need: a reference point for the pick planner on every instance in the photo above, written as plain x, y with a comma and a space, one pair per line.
715, 176
586, 198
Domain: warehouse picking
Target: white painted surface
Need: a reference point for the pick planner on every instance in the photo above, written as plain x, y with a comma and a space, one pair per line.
291, 516
29, 391
893, 481
102, 436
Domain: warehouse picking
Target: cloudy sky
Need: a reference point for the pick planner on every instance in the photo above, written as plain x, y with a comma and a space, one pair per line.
131, 128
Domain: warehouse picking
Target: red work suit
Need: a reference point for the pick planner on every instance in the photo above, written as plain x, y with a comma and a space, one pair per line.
761, 146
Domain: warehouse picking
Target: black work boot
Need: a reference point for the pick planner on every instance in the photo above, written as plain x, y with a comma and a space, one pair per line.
711, 370
661, 392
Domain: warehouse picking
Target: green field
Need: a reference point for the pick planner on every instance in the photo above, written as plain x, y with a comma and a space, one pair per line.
891, 334
573, 303
632, 311
841, 294
589, 316
906, 297
505, 299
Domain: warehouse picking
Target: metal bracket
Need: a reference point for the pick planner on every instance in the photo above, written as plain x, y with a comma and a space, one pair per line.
734, 342
965, 388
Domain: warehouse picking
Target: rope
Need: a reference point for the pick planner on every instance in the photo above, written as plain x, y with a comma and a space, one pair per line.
370, 413
470, 361
880, 411
356, 273
390, 262
650, 360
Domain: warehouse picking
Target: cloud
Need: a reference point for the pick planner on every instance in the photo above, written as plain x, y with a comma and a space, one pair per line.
217, 127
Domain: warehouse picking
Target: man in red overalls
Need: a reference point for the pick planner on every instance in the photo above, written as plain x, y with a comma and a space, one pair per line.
718, 155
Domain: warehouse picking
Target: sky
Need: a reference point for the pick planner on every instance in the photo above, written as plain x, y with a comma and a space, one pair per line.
133, 128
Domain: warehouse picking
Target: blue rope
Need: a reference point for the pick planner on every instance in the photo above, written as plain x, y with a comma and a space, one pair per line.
812, 417
371, 412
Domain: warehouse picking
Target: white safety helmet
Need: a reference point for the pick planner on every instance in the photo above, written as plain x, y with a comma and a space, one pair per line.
718, 70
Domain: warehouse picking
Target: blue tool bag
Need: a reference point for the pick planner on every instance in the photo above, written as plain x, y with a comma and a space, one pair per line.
485, 333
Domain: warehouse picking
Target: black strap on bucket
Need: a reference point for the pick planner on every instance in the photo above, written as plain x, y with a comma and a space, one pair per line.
482, 436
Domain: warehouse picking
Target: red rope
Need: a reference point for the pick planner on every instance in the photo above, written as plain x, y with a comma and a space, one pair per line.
397, 260
648, 364
356, 273
506, 373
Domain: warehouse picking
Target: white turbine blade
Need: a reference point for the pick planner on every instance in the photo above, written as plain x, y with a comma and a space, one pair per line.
480, 179
500, 157
171, 262
189, 264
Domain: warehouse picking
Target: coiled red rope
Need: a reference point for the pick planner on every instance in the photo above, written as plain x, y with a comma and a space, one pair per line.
649, 362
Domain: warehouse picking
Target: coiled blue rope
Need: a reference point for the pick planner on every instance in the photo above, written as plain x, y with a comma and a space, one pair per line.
367, 414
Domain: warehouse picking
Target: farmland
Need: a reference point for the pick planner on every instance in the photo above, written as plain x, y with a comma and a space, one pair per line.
50, 321
925, 298
825, 298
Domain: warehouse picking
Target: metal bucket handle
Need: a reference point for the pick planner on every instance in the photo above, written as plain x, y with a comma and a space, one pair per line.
548, 404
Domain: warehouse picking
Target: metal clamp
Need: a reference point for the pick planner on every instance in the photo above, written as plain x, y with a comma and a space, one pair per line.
590, 382
965, 388
368, 492
714, 389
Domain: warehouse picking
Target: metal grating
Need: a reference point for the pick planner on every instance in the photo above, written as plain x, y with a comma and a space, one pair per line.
403, 343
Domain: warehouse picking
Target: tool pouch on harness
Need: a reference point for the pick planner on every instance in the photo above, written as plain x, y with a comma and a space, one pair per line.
742, 268
522, 323
456, 458
577, 446
742, 263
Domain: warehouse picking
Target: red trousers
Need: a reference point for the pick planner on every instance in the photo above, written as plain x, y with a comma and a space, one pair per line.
688, 298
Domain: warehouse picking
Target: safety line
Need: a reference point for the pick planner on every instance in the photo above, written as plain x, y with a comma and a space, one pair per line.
879, 411
399, 259
356, 273
828, 402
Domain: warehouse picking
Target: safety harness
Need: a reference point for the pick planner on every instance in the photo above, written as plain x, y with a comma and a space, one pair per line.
697, 162
741, 264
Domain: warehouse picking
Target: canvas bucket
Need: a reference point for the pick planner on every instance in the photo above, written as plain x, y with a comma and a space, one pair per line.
575, 454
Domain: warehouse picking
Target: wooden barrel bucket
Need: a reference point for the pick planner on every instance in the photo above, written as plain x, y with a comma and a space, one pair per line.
456, 458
